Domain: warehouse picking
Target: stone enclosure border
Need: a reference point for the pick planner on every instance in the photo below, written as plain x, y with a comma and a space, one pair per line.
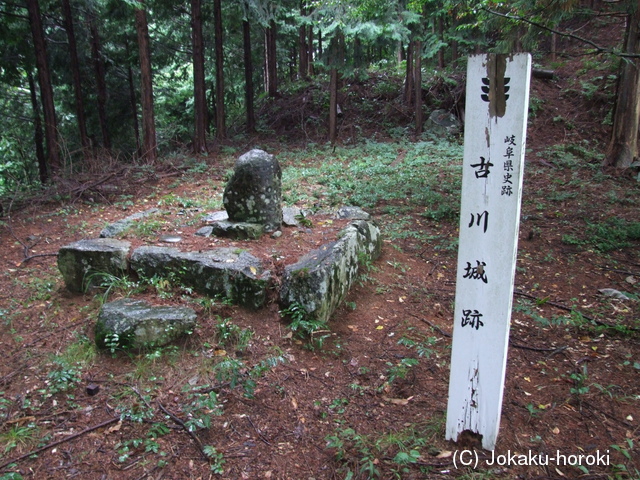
319, 281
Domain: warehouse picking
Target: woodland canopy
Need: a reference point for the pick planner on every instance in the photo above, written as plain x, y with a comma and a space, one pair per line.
85, 82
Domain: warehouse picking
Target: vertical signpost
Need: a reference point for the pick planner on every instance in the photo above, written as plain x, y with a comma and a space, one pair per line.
497, 100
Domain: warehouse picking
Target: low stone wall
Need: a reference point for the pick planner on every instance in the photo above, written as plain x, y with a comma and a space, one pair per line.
238, 276
318, 282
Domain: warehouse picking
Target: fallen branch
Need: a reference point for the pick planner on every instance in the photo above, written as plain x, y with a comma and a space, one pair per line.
186, 429
58, 442
538, 349
432, 325
31, 257
541, 301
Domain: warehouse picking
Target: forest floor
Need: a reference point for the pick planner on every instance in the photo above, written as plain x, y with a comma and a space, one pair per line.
370, 402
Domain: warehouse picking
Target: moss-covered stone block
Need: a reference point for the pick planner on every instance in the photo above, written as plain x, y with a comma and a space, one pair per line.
228, 272
129, 323
321, 279
82, 262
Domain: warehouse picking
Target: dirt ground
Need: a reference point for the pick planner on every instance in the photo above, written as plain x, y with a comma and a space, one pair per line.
572, 382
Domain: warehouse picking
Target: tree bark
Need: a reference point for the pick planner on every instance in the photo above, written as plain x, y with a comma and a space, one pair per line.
623, 147
333, 105
337, 54
408, 78
303, 47
221, 130
77, 80
46, 90
134, 103
101, 81
199, 86
440, 23
38, 135
149, 142
248, 74
310, 51
417, 54
271, 65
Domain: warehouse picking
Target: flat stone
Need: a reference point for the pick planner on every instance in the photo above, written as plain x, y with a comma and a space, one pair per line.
228, 272
214, 217
289, 215
205, 231
237, 230
83, 264
129, 323
170, 238
353, 213
120, 226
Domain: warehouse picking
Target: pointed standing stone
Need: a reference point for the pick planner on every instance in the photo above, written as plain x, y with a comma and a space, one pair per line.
254, 193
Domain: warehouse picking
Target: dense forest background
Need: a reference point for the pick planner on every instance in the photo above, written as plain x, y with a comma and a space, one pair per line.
89, 84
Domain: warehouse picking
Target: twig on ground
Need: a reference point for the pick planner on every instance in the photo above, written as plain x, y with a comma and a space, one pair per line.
186, 429
571, 309
31, 257
58, 442
432, 325
258, 431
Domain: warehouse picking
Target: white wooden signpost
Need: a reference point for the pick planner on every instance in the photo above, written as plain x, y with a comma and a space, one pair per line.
497, 100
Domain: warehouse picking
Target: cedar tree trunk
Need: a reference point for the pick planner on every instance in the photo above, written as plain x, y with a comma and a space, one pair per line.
221, 130
149, 145
101, 81
38, 135
46, 90
248, 73
623, 147
271, 65
199, 87
77, 81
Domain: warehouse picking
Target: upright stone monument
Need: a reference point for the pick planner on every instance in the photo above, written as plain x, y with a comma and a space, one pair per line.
254, 192
494, 145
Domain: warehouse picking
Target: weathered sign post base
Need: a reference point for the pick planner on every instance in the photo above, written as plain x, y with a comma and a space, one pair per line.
497, 100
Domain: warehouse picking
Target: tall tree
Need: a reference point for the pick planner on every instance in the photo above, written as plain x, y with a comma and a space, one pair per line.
303, 46
38, 136
199, 86
149, 142
101, 82
623, 147
336, 64
417, 82
248, 71
75, 74
221, 129
46, 90
270, 59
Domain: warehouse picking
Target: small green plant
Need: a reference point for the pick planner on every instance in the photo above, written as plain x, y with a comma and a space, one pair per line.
63, 378
303, 220
231, 335
364, 455
314, 331
399, 371
111, 284
580, 386
19, 437
216, 458
423, 347
201, 409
